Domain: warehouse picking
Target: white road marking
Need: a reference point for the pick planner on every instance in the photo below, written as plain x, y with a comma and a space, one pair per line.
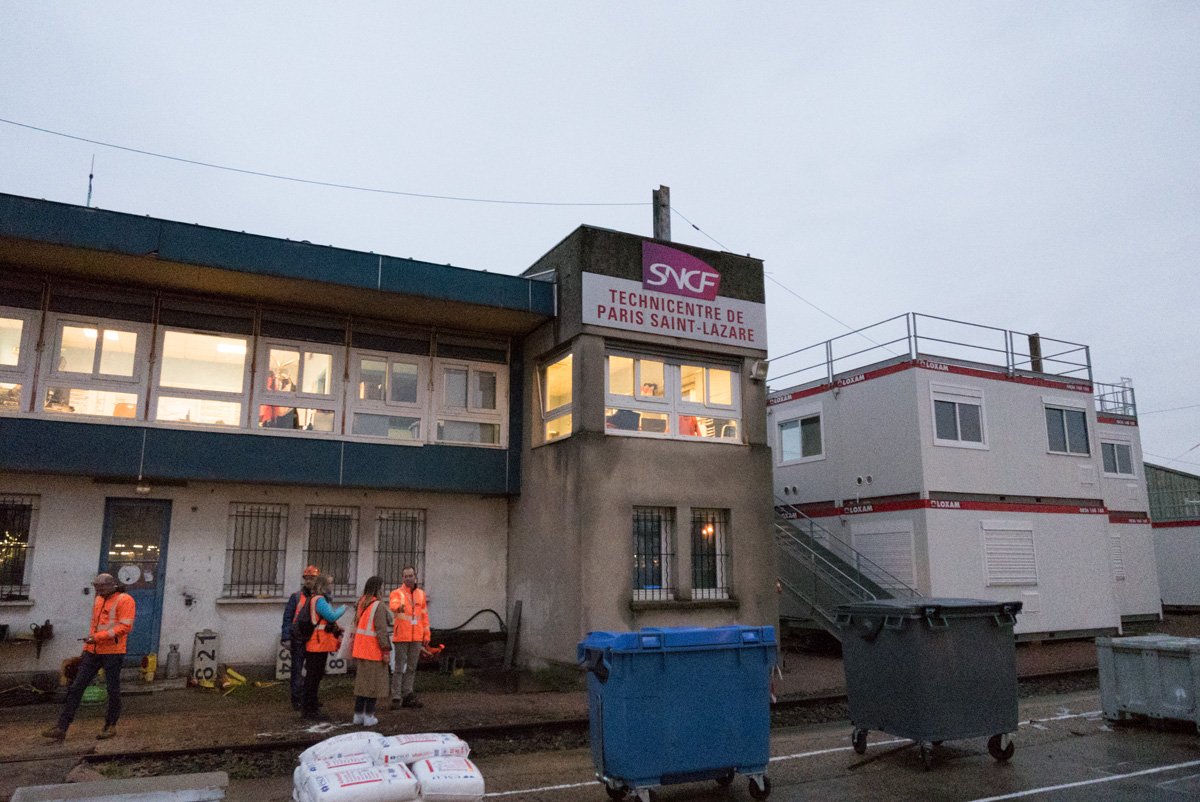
836, 749
1092, 714
543, 788
1047, 789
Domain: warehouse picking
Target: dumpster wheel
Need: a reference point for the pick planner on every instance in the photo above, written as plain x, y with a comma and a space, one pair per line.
725, 780
1001, 747
926, 752
858, 739
615, 791
760, 787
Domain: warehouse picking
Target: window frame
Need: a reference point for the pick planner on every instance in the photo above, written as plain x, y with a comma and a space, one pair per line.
134, 384
19, 593
720, 519
798, 416
666, 541
441, 412
387, 407
1063, 406
672, 404
1115, 442
22, 372
297, 400
245, 397
232, 590
958, 395
562, 410
349, 588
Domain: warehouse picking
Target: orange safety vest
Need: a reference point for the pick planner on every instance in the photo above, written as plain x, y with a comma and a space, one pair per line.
322, 640
366, 644
112, 619
412, 615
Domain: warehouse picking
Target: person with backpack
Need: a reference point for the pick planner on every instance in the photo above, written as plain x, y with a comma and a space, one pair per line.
372, 650
326, 637
290, 638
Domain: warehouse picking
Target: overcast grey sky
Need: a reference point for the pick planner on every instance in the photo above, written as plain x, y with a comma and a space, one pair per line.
1032, 166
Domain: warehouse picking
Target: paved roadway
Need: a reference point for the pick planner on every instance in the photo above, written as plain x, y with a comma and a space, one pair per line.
1065, 751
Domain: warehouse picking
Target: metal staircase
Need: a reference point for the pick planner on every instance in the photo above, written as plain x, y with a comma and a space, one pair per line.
821, 571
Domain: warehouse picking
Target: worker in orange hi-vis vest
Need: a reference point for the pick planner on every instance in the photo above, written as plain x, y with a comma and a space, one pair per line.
103, 648
410, 634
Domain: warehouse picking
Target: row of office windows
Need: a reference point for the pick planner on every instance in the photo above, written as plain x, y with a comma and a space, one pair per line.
649, 397
959, 421
654, 550
448, 390
256, 547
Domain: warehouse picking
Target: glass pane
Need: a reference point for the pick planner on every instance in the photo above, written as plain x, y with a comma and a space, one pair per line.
789, 440
647, 550
318, 373
810, 436
10, 396
630, 420
404, 383
117, 350
653, 383
372, 376
393, 427
199, 410
456, 431
970, 423
203, 362
1054, 428
456, 388
698, 426
558, 383
1124, 459
720, 387
77, 353
10, 340
484, 396
1109, 453
620, 375
691, 384
282, 371
91, 402
1077, 441
309, 420
558, 427
945, 421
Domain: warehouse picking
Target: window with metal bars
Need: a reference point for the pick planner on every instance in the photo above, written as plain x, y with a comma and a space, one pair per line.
400, 541
653, 536
710, 554
333, 545
254, 558
18, 515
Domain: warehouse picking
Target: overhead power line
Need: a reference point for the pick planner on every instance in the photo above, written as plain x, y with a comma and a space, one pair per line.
1172, 409
294, 179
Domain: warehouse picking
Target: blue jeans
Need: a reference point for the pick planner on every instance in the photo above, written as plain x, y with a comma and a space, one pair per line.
298, 653
92, 663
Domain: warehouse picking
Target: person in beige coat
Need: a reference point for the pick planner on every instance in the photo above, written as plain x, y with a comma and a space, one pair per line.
371, 651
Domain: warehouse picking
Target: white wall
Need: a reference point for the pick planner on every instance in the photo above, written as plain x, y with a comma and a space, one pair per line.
1121, 492
465, 561
1139, 592
1177, 549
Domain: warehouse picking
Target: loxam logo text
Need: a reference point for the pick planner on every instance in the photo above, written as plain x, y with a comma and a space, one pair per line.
672, 271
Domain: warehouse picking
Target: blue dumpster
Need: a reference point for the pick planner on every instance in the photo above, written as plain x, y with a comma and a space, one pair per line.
683, 704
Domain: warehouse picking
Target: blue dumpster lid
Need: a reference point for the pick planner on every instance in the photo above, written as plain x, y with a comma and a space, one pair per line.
665, 639
928, 607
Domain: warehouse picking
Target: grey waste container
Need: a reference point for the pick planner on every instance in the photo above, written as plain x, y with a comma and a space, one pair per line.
931, 669
1150, 675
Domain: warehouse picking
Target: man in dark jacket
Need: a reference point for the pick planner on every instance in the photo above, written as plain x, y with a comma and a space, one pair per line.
291, 640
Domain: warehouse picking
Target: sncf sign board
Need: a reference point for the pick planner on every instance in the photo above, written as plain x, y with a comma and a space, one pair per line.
678, 296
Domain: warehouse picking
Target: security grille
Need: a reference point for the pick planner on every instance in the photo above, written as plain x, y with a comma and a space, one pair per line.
333, 545
653, 535
710, 554
254, 559
400, 542
17, 514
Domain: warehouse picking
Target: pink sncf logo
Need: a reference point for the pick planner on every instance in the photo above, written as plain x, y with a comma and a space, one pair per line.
668, 270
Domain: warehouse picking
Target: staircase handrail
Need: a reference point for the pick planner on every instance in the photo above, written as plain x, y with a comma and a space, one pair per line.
863, 593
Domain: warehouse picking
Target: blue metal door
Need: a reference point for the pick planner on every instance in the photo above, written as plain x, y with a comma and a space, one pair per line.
134, 550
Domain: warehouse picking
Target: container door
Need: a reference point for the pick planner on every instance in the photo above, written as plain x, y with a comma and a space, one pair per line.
134, 550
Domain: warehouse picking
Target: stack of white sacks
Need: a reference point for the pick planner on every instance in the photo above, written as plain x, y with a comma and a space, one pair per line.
367, 767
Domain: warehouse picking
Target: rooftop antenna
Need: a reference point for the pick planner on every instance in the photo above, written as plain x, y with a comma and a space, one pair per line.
91, 175
662, 212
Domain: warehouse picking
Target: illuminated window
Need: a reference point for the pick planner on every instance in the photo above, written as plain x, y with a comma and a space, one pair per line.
97, 368
17, 330
663, 398
710, 554
557, 398
201, 379
18, 520
300, 389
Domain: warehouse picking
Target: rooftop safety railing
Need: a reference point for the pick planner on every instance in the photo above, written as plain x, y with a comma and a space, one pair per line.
1115, 399
912, 335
